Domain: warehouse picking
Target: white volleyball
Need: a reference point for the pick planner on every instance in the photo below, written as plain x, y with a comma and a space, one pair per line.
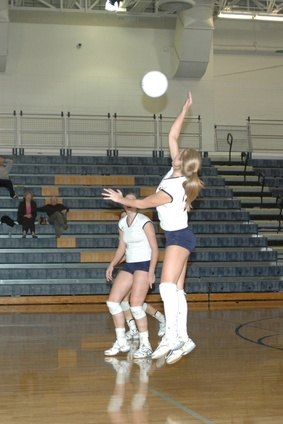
154, 84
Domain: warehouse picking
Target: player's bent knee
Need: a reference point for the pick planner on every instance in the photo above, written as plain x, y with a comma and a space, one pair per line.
114, 307
138, 312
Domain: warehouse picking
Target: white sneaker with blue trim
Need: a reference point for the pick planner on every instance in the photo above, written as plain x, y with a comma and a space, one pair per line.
144, 351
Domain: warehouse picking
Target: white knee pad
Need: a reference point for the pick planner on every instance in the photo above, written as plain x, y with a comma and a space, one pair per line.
144, 306
114, 307
138, 312
125, 305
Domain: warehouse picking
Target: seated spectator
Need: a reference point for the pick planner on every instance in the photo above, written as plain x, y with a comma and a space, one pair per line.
27, 214
57, 215
5, 167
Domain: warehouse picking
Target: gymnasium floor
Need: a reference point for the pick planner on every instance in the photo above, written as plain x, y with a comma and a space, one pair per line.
53, 370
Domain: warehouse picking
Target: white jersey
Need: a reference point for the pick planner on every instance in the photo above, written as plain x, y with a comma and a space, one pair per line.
174, 215
137, 245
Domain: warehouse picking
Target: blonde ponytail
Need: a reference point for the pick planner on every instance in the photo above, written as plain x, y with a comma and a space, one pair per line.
191, 165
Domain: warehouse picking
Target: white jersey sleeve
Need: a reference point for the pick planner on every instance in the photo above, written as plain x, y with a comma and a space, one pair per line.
173, 215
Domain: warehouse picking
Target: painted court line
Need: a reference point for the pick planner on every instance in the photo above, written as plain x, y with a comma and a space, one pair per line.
180, 406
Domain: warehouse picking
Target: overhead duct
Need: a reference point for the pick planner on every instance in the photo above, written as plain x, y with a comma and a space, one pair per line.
173, 6
4, 28
193, 40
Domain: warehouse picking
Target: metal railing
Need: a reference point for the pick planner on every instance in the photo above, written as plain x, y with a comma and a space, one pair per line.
88, 132
8, 130
122, 134
265, 135
114, 134
232, 138
258, 135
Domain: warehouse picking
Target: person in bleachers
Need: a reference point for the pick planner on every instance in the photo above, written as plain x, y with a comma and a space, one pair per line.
27, 214
57, 215
5, 181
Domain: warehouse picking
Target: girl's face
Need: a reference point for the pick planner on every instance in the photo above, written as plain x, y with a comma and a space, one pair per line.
53, 200
28, 197
129, 208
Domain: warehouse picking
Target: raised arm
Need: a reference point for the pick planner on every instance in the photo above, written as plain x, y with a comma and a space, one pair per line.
152, 201
176, 128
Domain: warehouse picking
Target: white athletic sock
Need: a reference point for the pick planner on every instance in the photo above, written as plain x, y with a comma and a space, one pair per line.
144, 338
168, 293
182, 320
121, 335
159, 316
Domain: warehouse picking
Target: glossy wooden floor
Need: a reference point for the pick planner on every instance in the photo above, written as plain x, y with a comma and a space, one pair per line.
53, 370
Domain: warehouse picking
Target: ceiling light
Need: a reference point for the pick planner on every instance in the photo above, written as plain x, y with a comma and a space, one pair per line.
270, 18
251, 16
231, 15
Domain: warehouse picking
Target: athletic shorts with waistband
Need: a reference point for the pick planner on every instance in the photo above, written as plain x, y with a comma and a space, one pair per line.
131, 267
184, 238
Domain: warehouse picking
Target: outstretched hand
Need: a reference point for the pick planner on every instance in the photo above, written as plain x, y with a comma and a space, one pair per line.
114, 195
188, 102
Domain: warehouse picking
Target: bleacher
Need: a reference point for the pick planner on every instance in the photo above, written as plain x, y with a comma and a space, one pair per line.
270, 174
231, 256
259, 188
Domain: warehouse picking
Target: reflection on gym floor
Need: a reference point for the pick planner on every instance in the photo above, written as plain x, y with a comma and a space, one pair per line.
53, 370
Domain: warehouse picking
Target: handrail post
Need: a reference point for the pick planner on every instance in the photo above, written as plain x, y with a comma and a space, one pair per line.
230, 142
249, 134
245, 157
161, 150
200, 132
261, 180
112, 138
155, 136
19, 131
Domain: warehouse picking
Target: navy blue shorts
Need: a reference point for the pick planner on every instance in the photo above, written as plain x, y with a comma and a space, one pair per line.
184, 238
131, 267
